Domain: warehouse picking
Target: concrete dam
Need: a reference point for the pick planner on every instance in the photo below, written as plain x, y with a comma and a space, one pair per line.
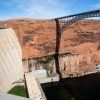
10, 59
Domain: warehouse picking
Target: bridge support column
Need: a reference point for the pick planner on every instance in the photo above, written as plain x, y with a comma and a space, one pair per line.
58, 39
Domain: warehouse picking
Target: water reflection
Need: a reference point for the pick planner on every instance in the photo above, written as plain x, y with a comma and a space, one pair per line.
81, 88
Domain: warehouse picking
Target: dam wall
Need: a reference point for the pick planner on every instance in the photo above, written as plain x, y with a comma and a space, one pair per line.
11, 70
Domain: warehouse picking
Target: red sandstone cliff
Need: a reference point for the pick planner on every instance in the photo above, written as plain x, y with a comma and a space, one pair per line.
37, 37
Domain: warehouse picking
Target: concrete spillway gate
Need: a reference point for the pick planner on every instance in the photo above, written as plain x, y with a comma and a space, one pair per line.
10, 59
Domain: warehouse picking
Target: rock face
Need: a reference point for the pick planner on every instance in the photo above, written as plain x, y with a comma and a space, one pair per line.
70, 64
37, 38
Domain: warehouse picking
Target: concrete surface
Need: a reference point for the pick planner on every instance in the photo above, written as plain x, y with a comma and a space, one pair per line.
5, 96
34, 88
10, 59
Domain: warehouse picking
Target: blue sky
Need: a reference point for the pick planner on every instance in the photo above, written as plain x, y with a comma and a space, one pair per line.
41, 9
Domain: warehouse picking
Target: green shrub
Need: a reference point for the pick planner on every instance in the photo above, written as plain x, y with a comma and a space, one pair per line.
46, 59
18, 90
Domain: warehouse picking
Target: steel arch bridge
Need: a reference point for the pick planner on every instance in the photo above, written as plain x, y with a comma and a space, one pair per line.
63, 23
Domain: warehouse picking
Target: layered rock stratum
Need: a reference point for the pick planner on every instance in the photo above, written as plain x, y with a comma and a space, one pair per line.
38, 38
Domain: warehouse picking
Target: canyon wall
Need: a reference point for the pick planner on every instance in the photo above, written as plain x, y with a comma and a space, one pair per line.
38, 39
71, 65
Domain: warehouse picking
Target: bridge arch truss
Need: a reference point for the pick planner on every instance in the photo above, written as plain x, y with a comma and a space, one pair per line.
63, 23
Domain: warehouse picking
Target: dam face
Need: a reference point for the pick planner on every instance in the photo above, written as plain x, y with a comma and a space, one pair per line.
11, 69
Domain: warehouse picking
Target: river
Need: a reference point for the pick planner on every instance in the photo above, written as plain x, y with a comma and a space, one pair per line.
80, 88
